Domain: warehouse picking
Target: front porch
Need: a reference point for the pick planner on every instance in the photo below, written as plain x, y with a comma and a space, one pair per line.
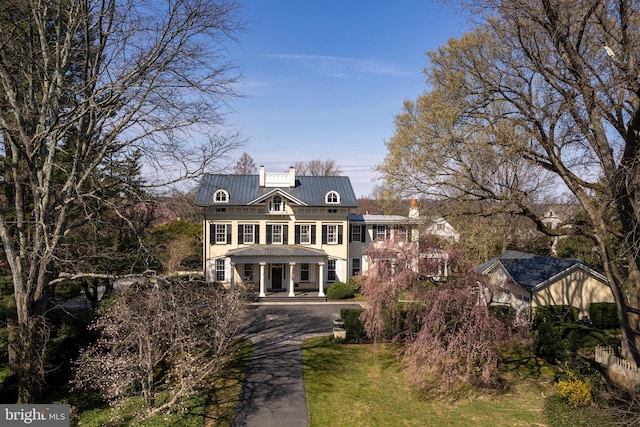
280, 271
302, 296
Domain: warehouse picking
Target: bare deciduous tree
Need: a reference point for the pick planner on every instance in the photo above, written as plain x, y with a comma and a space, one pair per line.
84, 85
317, 167
245, 165
173, 339
550, 86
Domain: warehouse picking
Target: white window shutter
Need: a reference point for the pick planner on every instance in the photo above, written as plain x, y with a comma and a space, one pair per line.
339, 270
227, 270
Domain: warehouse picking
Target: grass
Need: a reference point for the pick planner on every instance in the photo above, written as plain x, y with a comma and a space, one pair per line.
213, 407
362, 385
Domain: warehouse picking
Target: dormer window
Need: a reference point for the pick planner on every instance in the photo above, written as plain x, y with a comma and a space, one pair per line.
221, 196
277, 204
332, 198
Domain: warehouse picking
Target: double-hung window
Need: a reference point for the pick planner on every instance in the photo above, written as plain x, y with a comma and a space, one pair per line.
276, 233
220, 234
248, 273
355, 266
304, 272
220, 270
248, 235
332, 234
356, 233
331, 270
305, 234
381, 232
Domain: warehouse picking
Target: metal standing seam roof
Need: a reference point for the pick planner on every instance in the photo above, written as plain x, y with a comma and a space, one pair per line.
243, 189
276, 251
381, 219
530, 270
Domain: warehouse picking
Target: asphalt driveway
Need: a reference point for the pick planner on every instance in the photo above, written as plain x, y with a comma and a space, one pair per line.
273, 393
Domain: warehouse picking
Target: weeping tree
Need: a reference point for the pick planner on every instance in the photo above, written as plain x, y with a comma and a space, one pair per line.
84, 85
449, 335
542, 92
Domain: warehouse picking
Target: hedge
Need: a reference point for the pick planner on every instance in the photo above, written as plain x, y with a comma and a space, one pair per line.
557, 341
604, 315
555, 313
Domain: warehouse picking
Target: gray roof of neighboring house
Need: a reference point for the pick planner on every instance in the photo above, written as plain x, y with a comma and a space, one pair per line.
244, 189
380, 219
530, 270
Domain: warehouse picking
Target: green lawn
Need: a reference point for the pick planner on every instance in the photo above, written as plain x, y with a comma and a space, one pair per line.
361, 385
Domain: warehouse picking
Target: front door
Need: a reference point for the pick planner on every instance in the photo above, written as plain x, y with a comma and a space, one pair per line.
276, 276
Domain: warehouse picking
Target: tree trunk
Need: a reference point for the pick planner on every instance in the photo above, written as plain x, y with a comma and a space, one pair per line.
28, 340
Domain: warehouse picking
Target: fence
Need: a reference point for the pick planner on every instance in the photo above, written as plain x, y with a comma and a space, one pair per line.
623, 372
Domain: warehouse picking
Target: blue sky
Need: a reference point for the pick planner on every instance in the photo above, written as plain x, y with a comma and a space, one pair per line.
324, 79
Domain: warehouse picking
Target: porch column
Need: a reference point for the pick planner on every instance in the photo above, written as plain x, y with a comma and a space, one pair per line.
262, 294
231, 279
321, 279
291, 278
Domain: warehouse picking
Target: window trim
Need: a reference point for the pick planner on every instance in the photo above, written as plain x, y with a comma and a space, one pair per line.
355, 270
332, 198
220, 268
248, 273
221, 230
251, 233
304, 272
331, 270
378, 229
221, 196
332, 236
305, 237
280, 233
280, 202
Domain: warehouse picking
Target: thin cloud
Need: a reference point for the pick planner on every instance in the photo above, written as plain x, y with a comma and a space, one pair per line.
343, 66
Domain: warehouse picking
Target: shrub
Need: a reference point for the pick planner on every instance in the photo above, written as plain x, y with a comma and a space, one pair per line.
604, 315
339, 290
356, 283
353, 325
576, 390
549, 343
555, 313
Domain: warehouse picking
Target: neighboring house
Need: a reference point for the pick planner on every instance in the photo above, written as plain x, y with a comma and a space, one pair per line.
282, 232
530, 280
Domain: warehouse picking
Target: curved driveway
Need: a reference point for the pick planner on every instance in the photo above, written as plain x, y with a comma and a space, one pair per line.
273, 392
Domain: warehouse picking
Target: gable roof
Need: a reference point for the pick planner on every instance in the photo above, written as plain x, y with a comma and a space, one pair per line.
244, 189
533, 271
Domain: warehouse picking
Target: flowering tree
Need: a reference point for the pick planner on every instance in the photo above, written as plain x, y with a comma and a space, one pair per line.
453, 335
152, 337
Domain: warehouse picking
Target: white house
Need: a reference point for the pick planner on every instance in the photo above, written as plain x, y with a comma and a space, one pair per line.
282, 232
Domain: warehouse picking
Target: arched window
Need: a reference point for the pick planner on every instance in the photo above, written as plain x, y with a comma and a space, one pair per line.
332, 197
221, 196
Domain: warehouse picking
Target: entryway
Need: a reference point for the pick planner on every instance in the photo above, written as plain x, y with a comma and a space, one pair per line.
276, 276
